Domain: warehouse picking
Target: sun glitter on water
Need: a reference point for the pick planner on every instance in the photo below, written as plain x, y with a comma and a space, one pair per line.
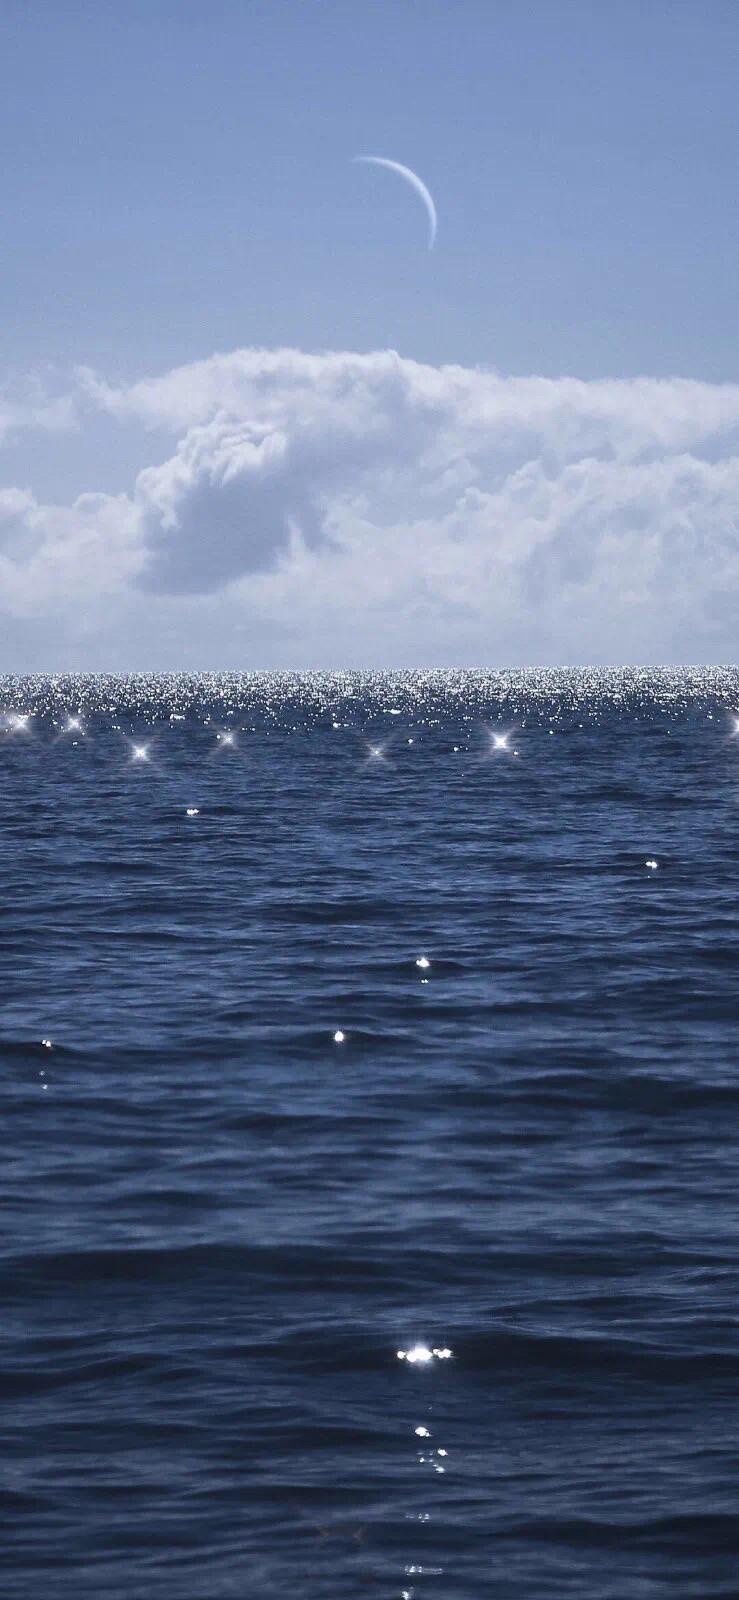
421, 1355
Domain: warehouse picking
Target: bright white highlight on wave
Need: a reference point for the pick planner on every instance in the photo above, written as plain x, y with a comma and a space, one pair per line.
420, 1354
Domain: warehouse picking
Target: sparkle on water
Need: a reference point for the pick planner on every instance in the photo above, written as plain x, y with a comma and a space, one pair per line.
565, 702
420, 1354
559, 697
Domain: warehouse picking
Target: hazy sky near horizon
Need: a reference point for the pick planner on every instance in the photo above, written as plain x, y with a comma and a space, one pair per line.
247, 418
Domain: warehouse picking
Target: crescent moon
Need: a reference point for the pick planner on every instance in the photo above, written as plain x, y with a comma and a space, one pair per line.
415, 182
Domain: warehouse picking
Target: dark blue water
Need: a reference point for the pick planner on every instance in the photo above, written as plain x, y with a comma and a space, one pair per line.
221, 1227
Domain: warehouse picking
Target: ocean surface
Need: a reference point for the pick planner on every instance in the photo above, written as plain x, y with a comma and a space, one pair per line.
369, 1190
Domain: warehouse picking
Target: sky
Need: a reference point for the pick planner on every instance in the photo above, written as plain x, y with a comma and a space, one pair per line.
248, 419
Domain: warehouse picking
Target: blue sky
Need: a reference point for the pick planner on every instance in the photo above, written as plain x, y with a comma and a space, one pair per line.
177, 181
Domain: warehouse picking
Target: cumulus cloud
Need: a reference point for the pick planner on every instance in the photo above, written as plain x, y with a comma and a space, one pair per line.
57, 556
368, 508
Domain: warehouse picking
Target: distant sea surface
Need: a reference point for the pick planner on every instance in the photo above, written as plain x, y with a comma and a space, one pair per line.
369, 1188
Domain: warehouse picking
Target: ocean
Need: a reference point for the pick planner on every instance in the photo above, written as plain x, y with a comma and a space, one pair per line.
370, 1136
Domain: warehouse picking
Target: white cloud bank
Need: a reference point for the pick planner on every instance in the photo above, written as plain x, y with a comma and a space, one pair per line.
347, 509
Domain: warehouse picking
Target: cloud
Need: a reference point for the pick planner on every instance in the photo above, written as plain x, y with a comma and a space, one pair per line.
364, 508
35, 409
57, 557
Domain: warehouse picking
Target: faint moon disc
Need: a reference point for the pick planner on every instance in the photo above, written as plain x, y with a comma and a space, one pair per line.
415, 182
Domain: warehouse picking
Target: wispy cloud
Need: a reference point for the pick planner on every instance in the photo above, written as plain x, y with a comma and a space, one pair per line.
33, 408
